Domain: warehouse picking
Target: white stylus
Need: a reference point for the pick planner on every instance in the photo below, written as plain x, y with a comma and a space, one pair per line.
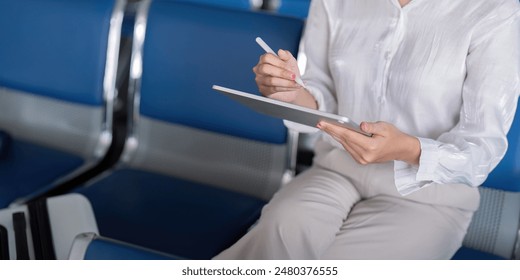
268, 49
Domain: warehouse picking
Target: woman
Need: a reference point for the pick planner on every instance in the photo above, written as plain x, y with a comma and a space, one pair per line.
436, 83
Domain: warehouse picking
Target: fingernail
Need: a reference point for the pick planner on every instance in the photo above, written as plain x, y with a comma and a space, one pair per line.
319, 125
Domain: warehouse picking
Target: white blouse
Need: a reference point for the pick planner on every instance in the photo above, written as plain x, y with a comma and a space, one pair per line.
445, 71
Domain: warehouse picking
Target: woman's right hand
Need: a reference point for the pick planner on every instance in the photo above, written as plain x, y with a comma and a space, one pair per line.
276, 78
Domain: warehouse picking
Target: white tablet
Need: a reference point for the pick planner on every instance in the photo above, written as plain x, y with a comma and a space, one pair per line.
287, 111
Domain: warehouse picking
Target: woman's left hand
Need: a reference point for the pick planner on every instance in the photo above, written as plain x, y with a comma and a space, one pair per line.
387, 142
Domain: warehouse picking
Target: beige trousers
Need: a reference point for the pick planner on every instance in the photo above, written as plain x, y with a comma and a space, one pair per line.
341, 210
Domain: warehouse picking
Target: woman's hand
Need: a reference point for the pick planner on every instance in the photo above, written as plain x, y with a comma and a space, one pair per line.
387, 143
276, 78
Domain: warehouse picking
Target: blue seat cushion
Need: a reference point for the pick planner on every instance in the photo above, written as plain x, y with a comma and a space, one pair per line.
174, 216
465, 253
101, 249
27, 168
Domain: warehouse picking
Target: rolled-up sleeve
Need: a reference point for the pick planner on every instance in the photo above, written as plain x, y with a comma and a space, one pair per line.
472, 149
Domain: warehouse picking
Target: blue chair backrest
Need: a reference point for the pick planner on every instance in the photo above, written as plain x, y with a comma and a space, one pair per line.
178, 90
297, 8
235, 4
40, 52
58, 66
506, 176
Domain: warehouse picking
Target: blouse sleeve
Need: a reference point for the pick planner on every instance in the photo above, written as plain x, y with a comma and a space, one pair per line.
469, 152
317, 77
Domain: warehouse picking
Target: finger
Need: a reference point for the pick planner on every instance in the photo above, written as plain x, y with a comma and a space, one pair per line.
287, 96
285, 89
272, 59
275, 71
368, 146
285, 55
356, 155
357, 138
271, 81
335, 131
361, 142
273, 90
330, 128
377, 128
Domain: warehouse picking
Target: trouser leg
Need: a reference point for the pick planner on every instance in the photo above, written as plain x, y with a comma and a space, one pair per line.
301, 221
385, 227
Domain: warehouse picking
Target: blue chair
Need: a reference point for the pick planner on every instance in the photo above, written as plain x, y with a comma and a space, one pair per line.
197, 167
233, 4
90, 246
296, 8
58, 64
494, 231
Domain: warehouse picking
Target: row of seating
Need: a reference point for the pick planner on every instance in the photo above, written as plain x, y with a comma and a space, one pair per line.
196, 167
57, 90
296, 8
193, 167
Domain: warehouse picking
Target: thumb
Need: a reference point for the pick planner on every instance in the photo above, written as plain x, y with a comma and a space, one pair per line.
372, 127
285, 55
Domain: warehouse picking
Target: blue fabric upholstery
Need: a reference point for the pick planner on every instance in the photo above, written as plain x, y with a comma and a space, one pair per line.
28, 167
234, 4
187, 49
105, 249
43, 48
5, 143
297, 8
506, 176
465, 253
179, 30
171, 215
54, 49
